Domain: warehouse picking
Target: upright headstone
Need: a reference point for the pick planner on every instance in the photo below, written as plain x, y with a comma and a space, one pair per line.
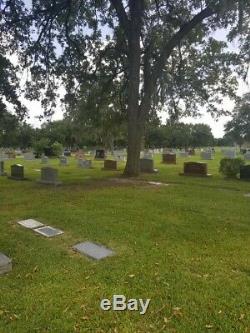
195, 169
147, 165
5, 264
230, 154
206, 155
85, 164
169, 158
49, 176
63, 161
183, 154
110, 165
147, 155
29, 156
245, 172
2, 172
17, 172
100, 154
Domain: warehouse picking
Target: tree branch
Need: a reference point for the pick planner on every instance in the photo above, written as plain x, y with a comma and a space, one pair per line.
122, 15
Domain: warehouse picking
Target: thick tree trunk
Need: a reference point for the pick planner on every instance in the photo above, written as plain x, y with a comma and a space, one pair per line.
134, 58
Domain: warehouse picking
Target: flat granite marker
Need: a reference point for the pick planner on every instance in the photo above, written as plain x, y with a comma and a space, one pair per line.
93, 250
5, 264
48, 231
30, 224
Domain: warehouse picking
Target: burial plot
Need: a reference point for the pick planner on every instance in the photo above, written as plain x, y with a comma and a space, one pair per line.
195, 169
110, 165
5, 264
147, 165
85, 164
63, 161
169, 158
100, 154
17, 172
93, 250
2, 172
206, 155
49, 176
48, 231
30, 224
245, 172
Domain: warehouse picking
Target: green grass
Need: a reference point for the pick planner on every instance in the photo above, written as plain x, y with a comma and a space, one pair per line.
185, 246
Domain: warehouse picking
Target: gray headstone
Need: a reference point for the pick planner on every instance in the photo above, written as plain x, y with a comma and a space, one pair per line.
85, 164
63, 161
247, 156
206, 155
30, 224
29, 156
48, 231
5, 264
49, 176
93, 250
2, 172
147, 165
230, 154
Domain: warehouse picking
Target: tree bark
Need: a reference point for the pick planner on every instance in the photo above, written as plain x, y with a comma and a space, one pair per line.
134, 57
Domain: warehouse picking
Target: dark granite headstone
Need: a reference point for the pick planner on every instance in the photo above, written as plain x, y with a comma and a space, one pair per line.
245, 172
110, 165
169, 158
195, 169
49, 176
2, 172
17, 172
147, 165
100, 154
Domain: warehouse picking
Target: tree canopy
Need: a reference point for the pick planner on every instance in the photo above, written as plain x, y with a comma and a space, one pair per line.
143, 55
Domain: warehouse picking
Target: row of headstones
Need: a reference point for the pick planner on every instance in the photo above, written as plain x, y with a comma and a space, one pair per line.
89, 249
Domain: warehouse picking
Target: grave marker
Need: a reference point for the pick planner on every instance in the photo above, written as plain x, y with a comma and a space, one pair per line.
30, 224
5, 264
100, 154
48, 231
245, 172
49, 176
195, 169
110, 165
93, 250
147, 165
169, 158
17, 172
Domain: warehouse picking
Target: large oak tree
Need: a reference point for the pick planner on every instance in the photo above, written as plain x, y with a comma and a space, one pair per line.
145, 54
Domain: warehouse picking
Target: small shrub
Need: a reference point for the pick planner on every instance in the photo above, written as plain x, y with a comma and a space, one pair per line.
231, 167
57, 149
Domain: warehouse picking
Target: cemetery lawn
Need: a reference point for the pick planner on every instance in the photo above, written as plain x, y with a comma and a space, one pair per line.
185, 246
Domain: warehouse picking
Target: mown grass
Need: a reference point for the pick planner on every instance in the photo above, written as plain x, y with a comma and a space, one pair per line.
185, 246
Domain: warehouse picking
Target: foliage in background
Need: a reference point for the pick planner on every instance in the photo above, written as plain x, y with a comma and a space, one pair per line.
230, 167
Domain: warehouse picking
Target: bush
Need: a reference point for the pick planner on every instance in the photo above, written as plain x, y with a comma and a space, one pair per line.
57, 149
40, 145
231, 167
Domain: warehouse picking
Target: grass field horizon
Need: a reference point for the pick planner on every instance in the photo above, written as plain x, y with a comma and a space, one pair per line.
185, 246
